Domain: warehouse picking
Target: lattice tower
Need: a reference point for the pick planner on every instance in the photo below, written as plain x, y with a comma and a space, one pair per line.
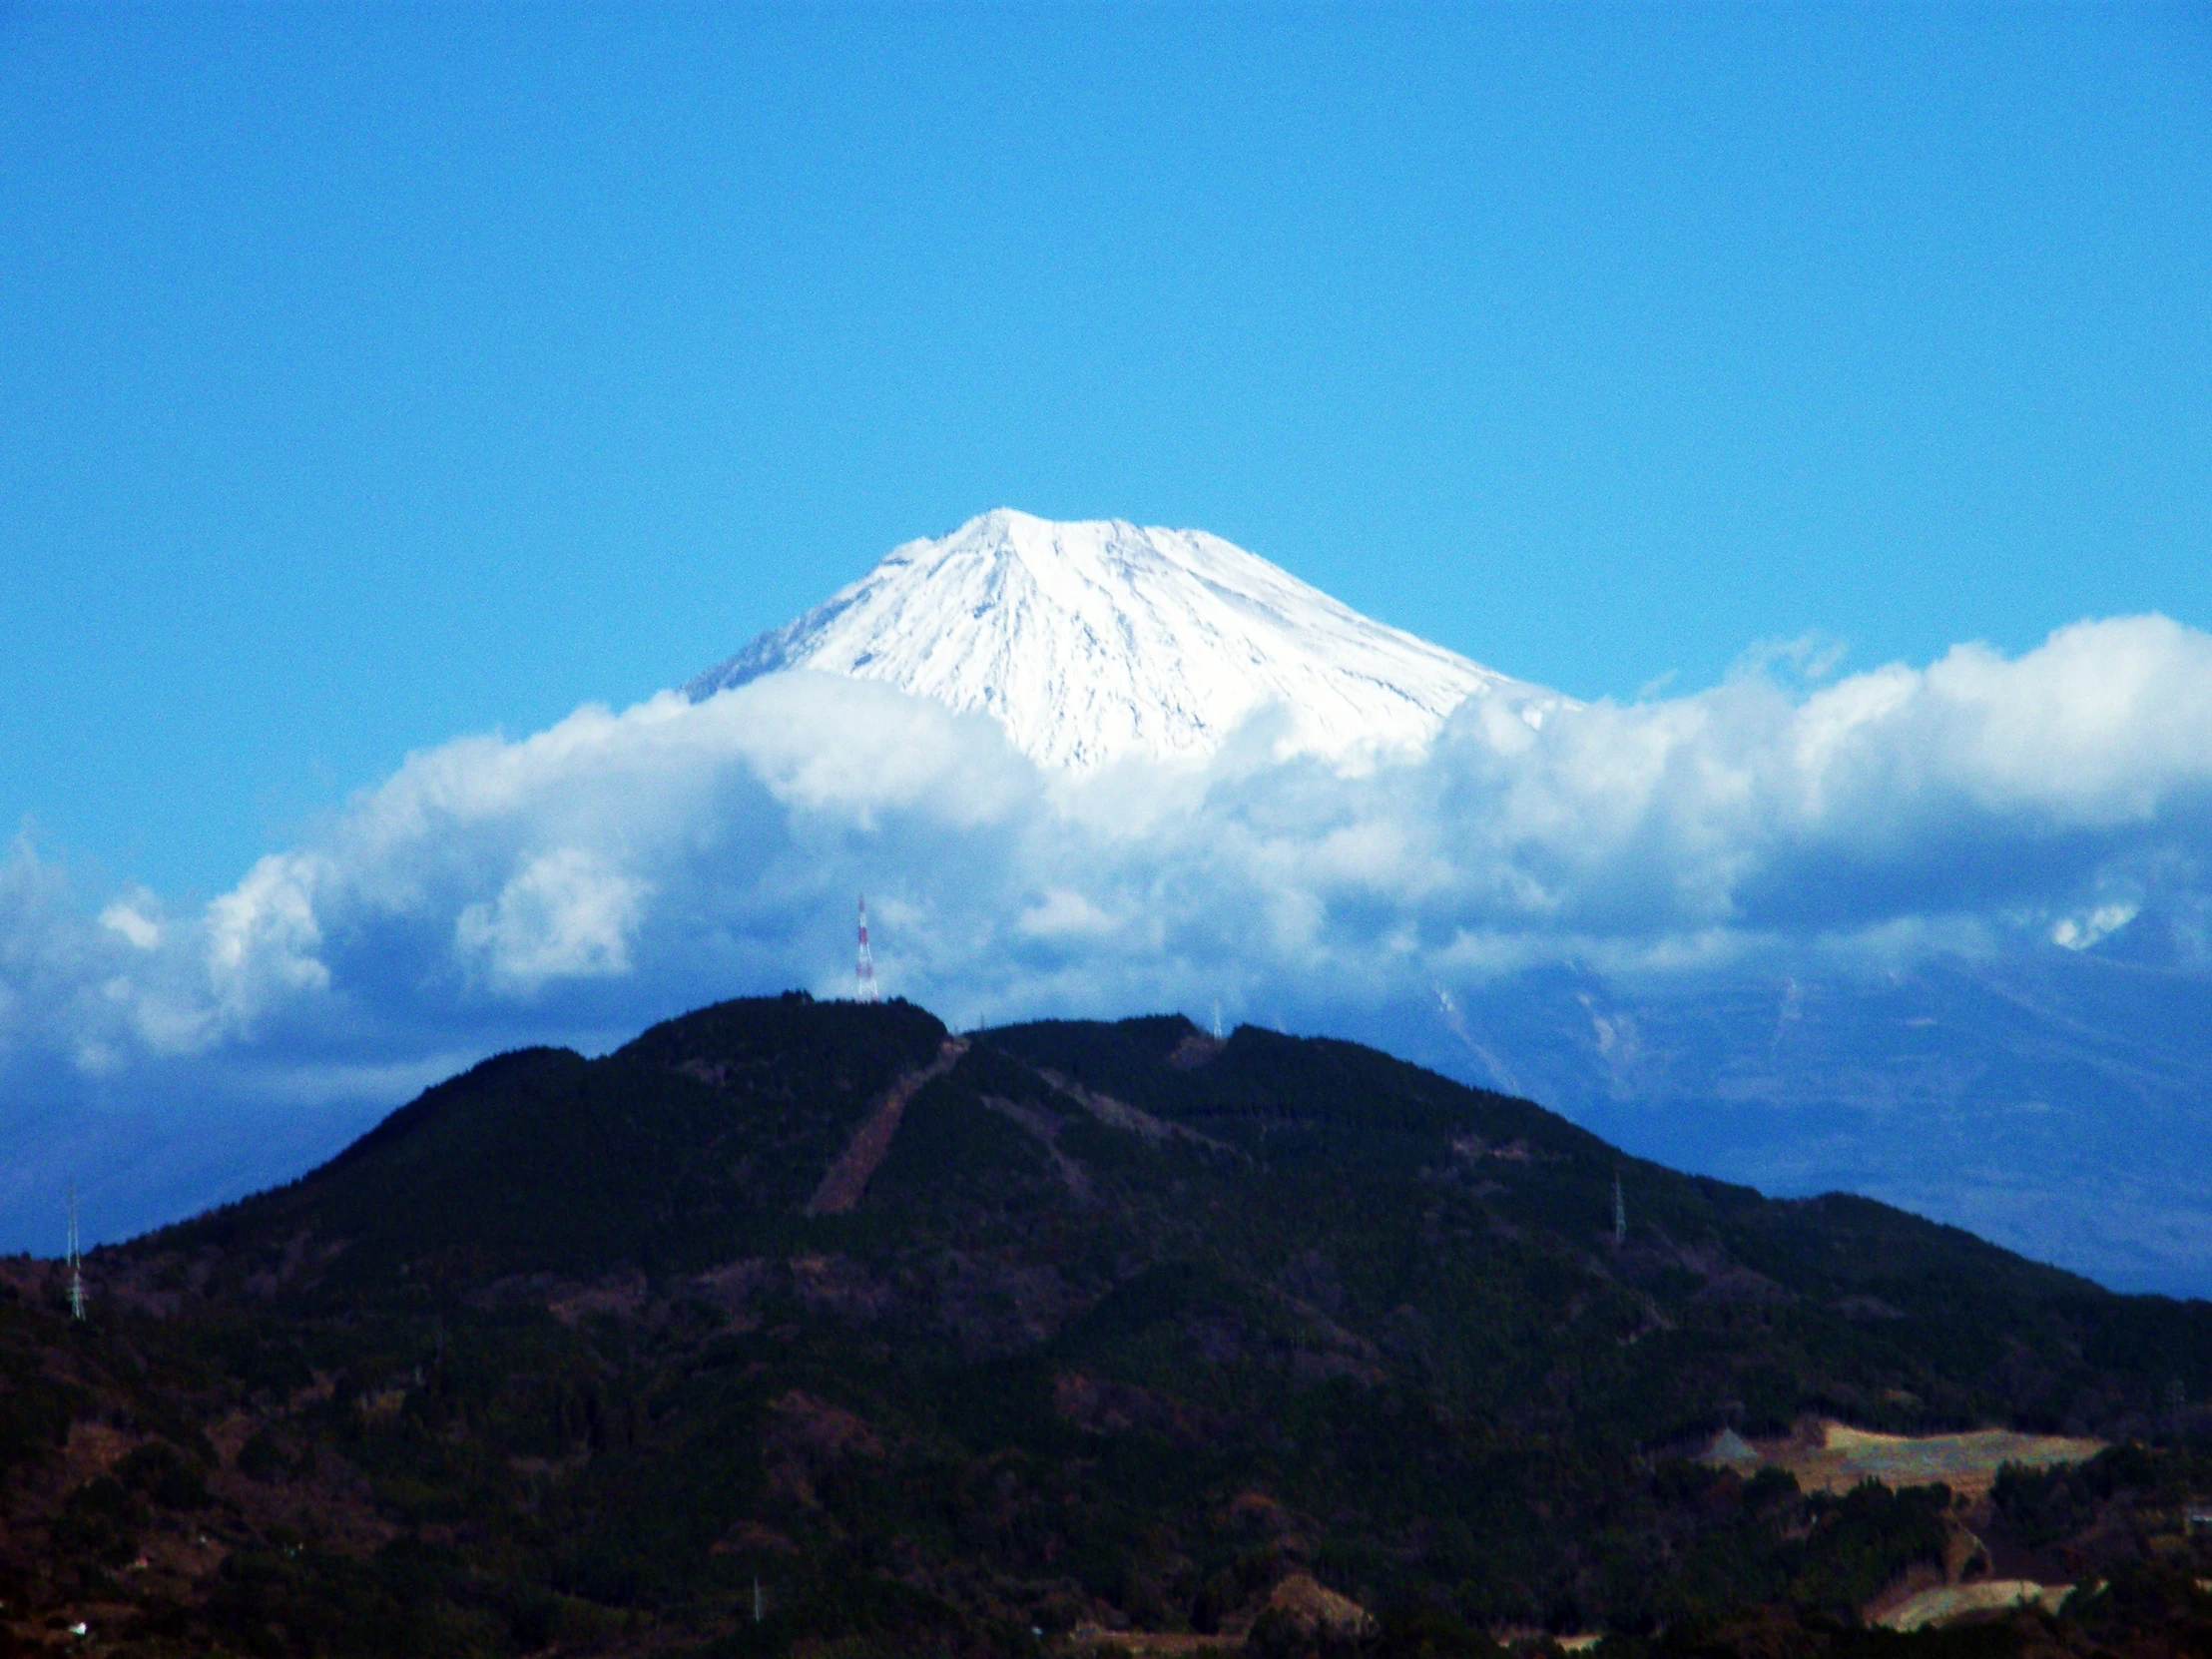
863, 972
76, 1264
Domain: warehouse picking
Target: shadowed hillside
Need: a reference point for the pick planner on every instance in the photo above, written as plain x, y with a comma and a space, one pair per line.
1099, 1327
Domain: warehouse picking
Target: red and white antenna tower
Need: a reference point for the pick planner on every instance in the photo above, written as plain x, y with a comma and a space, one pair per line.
865, 973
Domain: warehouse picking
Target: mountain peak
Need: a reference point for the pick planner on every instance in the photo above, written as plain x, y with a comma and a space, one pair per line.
1094, 641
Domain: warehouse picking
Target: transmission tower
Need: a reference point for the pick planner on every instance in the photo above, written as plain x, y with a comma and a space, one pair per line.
863, 972
1620, 1212
75, 1267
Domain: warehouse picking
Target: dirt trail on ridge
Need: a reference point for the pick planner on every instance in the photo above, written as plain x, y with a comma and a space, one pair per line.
848, 1179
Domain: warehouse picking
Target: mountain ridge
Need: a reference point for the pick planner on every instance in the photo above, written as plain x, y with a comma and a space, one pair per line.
1118, 1327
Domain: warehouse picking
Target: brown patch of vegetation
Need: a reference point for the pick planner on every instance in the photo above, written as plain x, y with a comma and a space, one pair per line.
1100, 1407
1311, 1611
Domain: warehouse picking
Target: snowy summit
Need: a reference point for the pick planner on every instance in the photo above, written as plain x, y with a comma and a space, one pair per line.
1095, 640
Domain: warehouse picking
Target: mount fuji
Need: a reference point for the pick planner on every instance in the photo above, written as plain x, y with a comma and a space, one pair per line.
1981, 1086
1093, 642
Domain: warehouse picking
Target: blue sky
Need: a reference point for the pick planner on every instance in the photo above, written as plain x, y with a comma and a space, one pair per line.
373, 376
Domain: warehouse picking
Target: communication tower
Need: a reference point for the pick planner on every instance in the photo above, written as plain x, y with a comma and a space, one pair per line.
863, 972
75, 1269
1620, 1212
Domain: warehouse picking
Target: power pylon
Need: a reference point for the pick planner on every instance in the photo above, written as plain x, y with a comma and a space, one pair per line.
863, 972
76, 1264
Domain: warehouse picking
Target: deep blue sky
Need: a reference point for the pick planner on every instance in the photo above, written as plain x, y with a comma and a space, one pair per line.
367, 376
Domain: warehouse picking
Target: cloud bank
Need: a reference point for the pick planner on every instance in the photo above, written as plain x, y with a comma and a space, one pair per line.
622, 867
643, 860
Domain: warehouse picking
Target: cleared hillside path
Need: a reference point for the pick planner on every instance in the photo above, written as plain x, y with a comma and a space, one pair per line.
848, 1179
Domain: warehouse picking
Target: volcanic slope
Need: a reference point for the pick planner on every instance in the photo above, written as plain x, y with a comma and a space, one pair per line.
1095, 640
1124, 1325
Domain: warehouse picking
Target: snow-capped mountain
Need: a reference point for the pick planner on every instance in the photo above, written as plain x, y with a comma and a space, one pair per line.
1095, 640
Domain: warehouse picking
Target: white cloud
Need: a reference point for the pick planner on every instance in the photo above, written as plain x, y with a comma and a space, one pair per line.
262, 937
622, 866
137, 918
1060, 913
2081, 931
567, 914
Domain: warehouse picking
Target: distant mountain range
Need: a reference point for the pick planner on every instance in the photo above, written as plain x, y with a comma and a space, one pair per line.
2059, 1101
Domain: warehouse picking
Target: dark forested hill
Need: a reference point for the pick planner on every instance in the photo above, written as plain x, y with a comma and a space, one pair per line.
795, 1324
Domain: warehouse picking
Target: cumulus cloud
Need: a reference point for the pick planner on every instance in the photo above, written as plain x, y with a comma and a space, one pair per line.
623, 865
566, 915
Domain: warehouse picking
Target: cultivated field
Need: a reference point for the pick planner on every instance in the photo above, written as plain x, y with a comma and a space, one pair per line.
1831, 1457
